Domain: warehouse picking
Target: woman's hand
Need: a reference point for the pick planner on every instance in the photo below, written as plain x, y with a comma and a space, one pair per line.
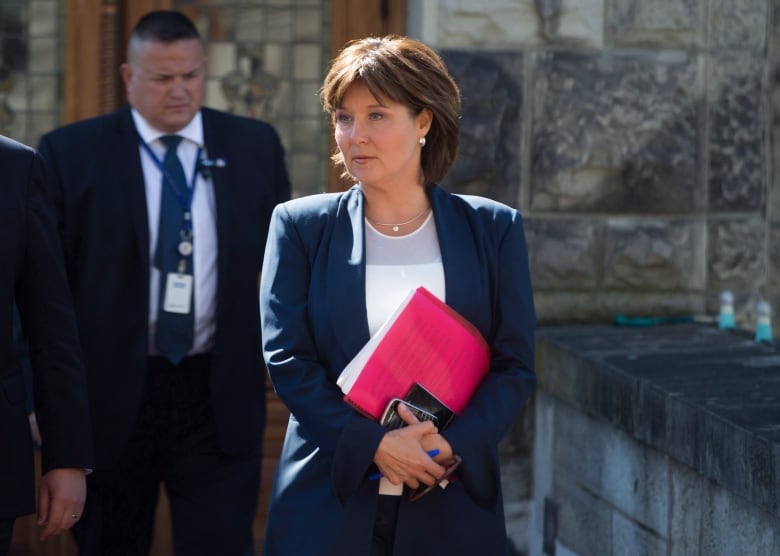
401, 456
430, 441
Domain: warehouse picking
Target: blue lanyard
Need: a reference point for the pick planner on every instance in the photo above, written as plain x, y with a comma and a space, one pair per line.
183, 197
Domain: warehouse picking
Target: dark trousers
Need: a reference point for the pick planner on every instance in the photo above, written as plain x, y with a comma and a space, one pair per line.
384, 525
213, 497
6, 530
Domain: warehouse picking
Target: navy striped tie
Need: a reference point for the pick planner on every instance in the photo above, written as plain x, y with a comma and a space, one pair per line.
174, 330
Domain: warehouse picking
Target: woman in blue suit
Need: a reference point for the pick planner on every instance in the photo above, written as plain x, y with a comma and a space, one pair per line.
336, 266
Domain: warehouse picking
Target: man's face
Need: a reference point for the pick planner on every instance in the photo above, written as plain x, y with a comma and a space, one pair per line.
164, 81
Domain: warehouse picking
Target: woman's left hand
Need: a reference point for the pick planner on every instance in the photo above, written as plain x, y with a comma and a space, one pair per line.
401, 458
434, 441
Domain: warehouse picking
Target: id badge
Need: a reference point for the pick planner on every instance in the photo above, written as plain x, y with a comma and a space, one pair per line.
178, 293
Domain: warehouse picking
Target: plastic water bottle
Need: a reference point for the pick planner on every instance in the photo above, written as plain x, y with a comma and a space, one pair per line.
763, 322
726, 317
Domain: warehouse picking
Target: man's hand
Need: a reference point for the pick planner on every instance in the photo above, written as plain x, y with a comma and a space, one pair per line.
61, 500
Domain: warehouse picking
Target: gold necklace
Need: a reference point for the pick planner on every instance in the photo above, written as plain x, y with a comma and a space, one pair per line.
397, 226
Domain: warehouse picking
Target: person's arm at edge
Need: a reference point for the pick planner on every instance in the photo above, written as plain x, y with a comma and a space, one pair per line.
59, 381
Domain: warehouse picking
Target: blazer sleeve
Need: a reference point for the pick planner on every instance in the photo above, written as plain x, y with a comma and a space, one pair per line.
497, 402
22, 352
46, 310
298, 366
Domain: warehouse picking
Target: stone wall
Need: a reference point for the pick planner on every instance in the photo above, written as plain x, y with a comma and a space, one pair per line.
658, 440
30, 66
636, 139
610, 494
266, 60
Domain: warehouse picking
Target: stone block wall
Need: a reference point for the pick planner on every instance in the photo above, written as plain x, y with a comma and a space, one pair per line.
30, 65
607, 493
637, 139
266, 61
656, 441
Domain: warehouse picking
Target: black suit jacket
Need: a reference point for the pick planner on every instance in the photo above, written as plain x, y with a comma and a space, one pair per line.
98, 185
32, 272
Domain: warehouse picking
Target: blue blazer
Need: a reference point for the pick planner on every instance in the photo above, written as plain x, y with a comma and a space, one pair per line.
32, 273
97, 183
314, 321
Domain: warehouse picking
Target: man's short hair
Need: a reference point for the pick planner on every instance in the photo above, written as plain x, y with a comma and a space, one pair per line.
164, 26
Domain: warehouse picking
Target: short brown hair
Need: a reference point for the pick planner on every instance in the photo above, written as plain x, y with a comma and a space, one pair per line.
410, 73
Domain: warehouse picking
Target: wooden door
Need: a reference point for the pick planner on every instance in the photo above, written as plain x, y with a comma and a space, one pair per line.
96, 33
354, 19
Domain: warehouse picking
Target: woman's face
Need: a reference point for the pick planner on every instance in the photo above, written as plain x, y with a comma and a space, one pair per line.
379, 139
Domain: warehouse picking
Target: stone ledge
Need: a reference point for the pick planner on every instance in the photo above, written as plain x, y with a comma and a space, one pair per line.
708, 398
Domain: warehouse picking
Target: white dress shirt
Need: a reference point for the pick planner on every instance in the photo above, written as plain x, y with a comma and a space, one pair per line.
204, 227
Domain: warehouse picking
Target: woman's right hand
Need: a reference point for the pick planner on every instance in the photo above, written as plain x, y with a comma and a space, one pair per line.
401, 457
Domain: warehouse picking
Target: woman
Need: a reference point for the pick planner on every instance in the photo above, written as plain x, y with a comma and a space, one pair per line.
336, 267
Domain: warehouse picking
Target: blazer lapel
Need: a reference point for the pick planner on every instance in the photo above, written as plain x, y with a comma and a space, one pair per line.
346, 273
127, 164
214, 141
458, 253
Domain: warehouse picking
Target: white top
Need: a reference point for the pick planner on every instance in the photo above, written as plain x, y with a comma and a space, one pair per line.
204, 228
397, 264
394, 266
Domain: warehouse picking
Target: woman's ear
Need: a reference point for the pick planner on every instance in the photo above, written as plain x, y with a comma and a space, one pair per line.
424, 121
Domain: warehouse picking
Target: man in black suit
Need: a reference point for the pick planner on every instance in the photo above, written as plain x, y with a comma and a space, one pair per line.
33, 273
164, 210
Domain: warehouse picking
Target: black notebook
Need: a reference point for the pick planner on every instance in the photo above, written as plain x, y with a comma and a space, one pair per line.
423, 404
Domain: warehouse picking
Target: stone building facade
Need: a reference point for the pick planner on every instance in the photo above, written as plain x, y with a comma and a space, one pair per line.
636, 137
